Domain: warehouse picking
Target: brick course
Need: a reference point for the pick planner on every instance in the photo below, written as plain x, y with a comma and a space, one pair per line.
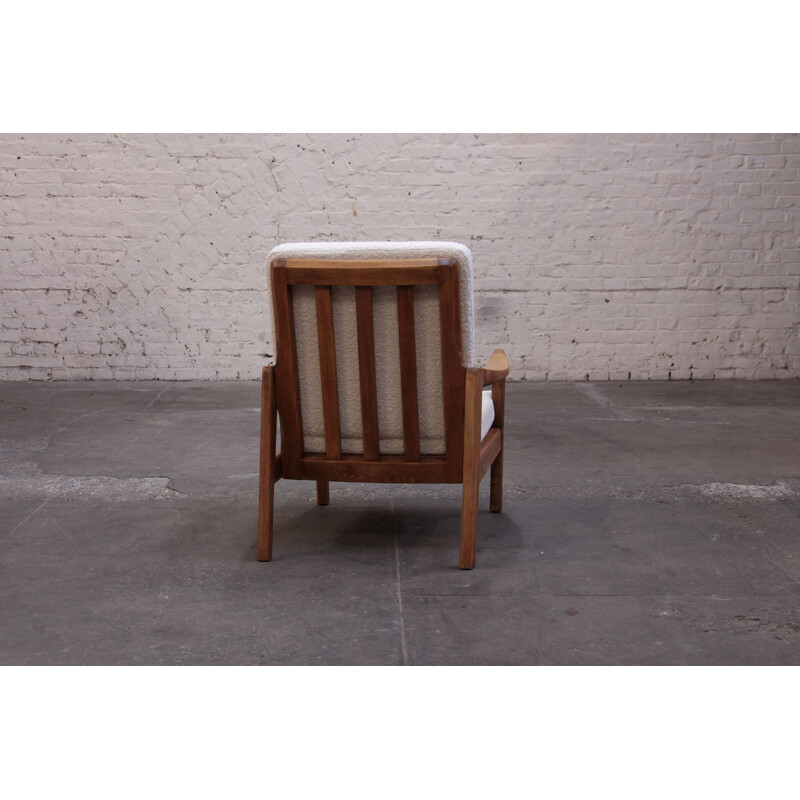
597, 256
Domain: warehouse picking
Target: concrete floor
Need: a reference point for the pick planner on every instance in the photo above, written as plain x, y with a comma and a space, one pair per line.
644, 523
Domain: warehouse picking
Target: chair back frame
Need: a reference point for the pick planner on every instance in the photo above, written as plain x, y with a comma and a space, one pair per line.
372, 466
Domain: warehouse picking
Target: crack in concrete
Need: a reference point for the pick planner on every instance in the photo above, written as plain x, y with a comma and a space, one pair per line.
401, 611
156, 398
23, 521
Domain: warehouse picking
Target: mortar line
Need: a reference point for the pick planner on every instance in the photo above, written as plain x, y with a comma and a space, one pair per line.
277, 198
403, 640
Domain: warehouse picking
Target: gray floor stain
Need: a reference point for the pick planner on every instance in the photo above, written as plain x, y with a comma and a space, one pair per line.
751, 491
88, 487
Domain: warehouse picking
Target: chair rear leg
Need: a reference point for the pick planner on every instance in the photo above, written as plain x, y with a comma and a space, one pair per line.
267, 472
496, 485
323, 493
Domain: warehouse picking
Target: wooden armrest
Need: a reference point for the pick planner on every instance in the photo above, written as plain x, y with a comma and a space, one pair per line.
496, 368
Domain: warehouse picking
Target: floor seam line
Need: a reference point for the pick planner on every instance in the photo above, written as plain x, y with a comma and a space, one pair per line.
403, 639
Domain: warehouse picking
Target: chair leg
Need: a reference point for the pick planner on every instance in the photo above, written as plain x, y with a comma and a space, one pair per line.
471, 475
323, 493
469, 524
496, 485
267, 473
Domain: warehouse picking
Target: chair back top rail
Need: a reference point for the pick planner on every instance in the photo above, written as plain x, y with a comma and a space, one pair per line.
404, 272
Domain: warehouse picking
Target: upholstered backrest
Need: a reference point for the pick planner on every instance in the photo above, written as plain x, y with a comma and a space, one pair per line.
387, 347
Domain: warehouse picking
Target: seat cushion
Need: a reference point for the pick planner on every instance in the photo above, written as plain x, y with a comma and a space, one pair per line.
487, 412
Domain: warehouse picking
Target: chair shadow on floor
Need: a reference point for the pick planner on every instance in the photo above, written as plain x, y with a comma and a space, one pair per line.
352, 532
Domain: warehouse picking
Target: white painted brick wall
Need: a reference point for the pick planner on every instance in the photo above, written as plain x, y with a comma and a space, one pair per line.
600, 256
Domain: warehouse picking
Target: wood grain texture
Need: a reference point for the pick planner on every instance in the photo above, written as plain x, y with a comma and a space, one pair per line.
496, 485
323, 493
453, 372
267, 472
366, 373
471, 473
496, 368
362, 274
408, 372
390, 469
352, 264
490, 447
327, 364
287, 377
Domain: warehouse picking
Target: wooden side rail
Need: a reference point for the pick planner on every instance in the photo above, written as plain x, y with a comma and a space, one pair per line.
496, 368
480, 456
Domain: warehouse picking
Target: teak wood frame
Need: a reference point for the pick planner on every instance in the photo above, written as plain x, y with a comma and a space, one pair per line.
466, 459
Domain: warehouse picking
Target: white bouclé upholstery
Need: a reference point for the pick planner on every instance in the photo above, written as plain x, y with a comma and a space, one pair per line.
487, 412
387, 353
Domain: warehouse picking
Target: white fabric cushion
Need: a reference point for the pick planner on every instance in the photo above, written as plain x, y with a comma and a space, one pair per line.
487, 412
387, 351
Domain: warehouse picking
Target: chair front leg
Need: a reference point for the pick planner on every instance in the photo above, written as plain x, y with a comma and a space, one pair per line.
471, 474
267, 472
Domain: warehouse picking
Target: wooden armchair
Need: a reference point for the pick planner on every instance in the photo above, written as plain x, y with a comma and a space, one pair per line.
394, 396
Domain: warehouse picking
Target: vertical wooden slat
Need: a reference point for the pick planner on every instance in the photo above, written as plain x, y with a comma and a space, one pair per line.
452, 369
408, 372
327, 364
366, 372
287, 381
